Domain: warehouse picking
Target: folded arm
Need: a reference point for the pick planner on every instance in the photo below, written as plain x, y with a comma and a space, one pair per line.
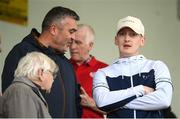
109, 100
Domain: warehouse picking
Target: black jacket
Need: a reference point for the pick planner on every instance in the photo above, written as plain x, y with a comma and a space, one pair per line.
64, 99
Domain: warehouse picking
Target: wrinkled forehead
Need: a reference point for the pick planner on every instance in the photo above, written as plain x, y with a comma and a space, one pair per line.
80, 34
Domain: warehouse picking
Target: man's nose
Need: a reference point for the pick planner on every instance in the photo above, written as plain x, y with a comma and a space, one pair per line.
126, 37
72, 45
73, 36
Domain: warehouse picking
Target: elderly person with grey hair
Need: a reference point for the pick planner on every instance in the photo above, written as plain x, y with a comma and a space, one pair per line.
23, 98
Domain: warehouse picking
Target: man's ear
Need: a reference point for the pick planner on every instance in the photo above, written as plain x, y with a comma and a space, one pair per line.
142, 41
116, 40
91, 46
53, 30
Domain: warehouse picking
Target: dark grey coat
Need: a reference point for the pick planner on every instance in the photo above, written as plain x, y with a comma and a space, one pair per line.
24, 100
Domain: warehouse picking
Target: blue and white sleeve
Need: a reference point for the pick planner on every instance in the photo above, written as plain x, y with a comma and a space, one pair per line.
161, 97
108, 100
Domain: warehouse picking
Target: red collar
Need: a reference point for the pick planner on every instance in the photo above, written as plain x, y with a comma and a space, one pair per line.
90, 61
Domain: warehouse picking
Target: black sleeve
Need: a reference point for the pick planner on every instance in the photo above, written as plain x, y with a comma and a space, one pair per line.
78, 98
77, 94
10, 65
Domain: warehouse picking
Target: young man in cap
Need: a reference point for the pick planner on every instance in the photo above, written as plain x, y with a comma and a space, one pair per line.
133, 86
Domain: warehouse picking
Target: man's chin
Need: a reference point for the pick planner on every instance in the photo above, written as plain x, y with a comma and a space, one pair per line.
61, 51
75, 58
65, 49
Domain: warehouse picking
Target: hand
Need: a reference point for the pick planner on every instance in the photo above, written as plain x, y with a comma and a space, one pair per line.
86, 100
148, 90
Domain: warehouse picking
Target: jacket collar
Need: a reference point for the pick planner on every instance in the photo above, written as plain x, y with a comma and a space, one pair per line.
32, 39
25, 81
129, 59
90, 62
33, 87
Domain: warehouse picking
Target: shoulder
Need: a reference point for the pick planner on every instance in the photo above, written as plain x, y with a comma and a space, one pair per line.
99, 63
106, 71
157, 64
154, 63
18, 92
18, 88
20, 49
160, 68
102, 63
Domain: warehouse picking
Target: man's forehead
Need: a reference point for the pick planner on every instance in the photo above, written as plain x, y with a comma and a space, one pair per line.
67, 23
126, 29
77, 39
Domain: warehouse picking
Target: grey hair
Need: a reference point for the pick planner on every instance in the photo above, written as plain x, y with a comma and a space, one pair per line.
89, 34
29, 65
58, 13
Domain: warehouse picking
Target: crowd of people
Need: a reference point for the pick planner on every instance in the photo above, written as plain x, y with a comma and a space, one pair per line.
39, 81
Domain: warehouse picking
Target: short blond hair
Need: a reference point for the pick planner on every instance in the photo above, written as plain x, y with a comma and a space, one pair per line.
29, 65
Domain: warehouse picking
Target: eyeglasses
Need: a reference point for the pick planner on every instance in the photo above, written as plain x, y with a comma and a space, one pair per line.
53, 73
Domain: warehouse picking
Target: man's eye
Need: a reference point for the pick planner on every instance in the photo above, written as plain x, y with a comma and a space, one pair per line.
121, 33
133, 34
72, 31
78, 43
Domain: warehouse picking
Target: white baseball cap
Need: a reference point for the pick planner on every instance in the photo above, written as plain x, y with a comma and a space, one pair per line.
132, 22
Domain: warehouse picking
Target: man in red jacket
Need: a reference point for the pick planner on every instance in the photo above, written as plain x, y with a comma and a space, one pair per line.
85, 65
